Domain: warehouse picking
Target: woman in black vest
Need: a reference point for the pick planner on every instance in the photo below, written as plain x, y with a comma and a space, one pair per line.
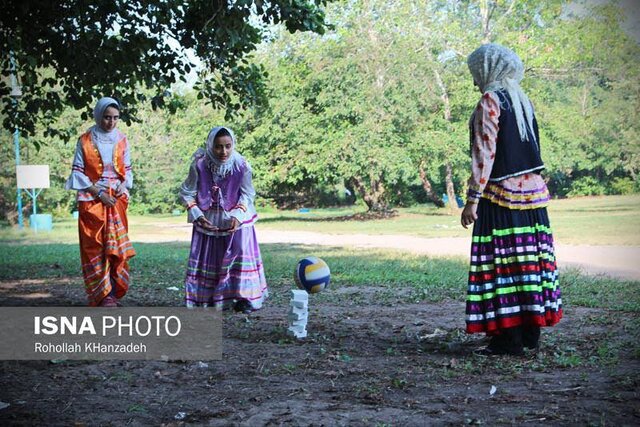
513, 280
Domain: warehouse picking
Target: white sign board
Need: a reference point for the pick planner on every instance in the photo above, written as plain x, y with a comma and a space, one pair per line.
32, 176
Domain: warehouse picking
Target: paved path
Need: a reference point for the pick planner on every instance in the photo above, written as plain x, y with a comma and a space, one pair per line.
618, 261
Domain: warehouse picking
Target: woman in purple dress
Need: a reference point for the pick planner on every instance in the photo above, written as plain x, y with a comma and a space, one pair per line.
225, 267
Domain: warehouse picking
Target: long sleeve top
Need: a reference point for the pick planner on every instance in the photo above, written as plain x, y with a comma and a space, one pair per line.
244, 212
109, 179
526, 191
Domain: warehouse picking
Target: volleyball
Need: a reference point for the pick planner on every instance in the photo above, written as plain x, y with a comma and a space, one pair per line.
312, 274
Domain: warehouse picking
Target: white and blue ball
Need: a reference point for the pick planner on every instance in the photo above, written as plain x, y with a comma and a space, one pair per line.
312, 274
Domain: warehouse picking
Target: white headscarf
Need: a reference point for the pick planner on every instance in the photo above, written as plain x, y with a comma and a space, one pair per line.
219, 167
99, 134
496, 67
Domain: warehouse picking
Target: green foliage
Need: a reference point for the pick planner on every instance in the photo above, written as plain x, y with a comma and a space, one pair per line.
587, 95
53, 152
375, 111
623, 186
345, 109
68, 53
587, 186
161, 147
387, 95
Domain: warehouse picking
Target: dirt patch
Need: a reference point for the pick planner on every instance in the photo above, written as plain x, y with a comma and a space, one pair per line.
364, 363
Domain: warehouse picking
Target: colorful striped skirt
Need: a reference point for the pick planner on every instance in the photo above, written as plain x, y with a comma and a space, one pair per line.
225, 269
513, 278
105, 249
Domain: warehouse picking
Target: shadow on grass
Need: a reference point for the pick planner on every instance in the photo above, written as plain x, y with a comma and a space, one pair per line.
605, 209
359, 216
362, 216
49, 274
388, 276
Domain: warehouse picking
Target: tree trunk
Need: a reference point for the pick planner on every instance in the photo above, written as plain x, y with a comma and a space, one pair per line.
453, 204
426, 184
444, 96
451, 193
486, 10
373, 197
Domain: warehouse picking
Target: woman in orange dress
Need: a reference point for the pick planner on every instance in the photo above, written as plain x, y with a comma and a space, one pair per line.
101, 174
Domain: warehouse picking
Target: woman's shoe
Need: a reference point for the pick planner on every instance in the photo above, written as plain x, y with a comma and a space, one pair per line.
109, 301
531, 337
243, 306
488, 351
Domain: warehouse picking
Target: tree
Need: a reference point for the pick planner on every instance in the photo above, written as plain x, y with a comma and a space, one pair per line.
337, 114
394, 75
380, 106
71, 52
585, 75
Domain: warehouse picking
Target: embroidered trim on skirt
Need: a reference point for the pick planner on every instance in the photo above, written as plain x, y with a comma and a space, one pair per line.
225, 269
513, 277
500, 194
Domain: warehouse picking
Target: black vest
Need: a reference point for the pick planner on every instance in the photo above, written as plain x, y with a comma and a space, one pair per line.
513, 155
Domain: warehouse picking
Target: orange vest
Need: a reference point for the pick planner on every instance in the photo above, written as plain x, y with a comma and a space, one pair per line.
93, 162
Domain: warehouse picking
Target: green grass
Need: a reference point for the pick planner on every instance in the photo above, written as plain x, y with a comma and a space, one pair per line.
423, 221
609, 220
599, 291
66, 230
365, 276
389, 276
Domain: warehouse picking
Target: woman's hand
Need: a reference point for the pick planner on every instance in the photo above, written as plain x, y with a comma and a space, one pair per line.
469, 215
234, 225
120, 189
106, 199
206, 224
